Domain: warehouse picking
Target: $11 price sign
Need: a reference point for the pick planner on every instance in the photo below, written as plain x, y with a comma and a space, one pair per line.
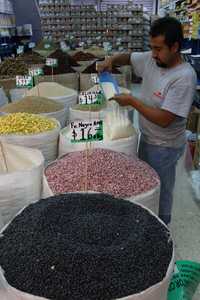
86, 131
24, 81
52, 62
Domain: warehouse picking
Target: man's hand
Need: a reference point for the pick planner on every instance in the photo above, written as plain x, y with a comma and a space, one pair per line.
123, 99
105, 65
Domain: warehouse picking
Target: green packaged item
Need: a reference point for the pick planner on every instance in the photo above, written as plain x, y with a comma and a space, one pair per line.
185, 280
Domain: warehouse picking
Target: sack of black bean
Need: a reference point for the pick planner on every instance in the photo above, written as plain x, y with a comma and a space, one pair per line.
9, 293
87, 246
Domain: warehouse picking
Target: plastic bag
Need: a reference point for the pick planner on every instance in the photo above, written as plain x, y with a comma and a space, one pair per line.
117, 123
185, 280
9, 293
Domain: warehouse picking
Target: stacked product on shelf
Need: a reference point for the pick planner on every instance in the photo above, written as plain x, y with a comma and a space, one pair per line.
32, 131
120, 25
94, 246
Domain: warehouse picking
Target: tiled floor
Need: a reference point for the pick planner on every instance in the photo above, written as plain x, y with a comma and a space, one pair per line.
185, 226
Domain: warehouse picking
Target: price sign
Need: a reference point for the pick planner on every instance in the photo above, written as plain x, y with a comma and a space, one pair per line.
47, 46
31, 45
51, 62
89, 98
24, 81
95, 78
20, 50
83, 131
35, 72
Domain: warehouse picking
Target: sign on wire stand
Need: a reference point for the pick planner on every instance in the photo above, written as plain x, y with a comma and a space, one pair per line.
35, 72
86, 131
24, 81
51, 62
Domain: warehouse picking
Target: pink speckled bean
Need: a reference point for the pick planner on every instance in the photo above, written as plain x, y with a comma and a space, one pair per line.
108, 172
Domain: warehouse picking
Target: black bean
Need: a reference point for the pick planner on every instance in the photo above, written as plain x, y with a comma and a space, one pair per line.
85, 247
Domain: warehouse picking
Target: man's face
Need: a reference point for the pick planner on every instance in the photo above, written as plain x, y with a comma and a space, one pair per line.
162, 53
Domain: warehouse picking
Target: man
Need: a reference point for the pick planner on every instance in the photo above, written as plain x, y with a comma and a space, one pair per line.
166, 96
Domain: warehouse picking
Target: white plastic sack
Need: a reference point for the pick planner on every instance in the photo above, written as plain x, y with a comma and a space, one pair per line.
46, 142
117, 124
61, 116
149, 199
9, 293
3, 98
21, 174
67, 101
127, 146
17, 94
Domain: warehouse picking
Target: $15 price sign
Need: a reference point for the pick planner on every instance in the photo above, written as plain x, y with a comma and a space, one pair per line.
24, 81
90, 131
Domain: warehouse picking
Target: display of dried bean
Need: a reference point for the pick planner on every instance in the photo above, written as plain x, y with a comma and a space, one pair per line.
33, 105
24, 123
31, 58
92, 69
83, 56
103, 171
65, 63
11, 67
85, 246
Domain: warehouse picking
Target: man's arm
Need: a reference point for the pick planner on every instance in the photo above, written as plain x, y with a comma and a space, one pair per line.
116, 60
160, 117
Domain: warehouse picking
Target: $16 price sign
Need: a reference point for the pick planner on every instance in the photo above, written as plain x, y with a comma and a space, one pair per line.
24, 81
82, 131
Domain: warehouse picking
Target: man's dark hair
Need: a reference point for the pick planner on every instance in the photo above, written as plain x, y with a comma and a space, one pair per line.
170, 28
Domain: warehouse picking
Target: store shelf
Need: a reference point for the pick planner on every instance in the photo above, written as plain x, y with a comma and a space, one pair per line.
85, 22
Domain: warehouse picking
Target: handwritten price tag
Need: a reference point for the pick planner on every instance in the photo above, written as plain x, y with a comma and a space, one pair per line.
35, 72
24, 81
82, 131
89, 98
51, 62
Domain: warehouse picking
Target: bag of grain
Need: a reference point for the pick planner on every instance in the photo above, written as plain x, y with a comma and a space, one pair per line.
33, 131
55, 91
118, 132
21, 173
93, 245
68, 80
106, 171
38, 105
